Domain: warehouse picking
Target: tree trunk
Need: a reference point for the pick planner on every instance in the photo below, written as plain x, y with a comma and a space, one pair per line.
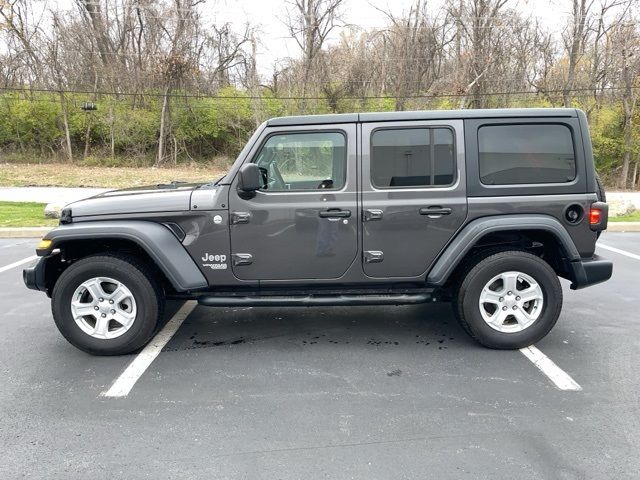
163, 124
580, 10
65, 121
628, 143
629, 99
175, 150
112, 132
87, 136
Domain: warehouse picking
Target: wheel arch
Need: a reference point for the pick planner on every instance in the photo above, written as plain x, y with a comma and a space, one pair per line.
155, 242
542, 234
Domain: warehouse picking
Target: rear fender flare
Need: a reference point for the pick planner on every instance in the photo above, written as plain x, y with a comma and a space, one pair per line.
469, 236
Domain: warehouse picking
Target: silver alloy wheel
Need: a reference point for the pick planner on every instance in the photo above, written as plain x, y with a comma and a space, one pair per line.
103, 308
511, 302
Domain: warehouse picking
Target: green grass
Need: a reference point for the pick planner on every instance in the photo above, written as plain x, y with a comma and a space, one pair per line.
27, 214
633, 217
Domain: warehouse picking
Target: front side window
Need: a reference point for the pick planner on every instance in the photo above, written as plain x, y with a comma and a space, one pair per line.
412, 157
303, 161
526, 154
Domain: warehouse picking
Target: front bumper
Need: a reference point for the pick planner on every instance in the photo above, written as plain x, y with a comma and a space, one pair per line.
590, 271
34, 277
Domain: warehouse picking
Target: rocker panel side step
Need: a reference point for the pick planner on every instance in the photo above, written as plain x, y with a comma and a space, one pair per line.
312, 300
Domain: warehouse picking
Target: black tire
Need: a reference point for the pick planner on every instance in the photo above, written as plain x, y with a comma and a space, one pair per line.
136, 276
479, 271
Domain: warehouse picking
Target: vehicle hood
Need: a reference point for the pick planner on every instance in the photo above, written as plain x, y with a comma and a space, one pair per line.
172, 197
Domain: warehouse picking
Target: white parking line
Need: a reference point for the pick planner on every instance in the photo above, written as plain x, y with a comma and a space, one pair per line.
18, 263
559, 377
125, 382
617, 250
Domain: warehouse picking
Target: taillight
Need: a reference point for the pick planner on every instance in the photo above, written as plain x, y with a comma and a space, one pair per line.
598, 216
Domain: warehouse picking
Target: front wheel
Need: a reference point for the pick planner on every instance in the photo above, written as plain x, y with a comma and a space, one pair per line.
107, 305
508, 300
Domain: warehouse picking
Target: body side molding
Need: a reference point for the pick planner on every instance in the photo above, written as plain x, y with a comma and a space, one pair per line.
474, 231
157, 240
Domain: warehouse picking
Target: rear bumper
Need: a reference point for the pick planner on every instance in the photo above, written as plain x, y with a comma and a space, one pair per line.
591, 271
34, 277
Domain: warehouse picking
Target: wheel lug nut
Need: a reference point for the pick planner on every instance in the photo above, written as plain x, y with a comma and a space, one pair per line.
514, 307
101, 300
103, 315
502, 299
517, 298
96, 308
509, 293
111, 302
504, 308
112, 312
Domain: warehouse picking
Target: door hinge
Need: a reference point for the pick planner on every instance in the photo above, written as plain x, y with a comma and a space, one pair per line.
240, 217
373, 256
372, 214
240, 259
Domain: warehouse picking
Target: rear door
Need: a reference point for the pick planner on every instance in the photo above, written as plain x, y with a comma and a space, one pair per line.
303, 224
413, 194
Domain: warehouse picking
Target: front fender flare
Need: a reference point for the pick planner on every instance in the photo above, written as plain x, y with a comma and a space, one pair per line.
157, 240
470, 235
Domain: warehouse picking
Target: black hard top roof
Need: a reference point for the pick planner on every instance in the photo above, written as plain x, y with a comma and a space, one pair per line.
422, 115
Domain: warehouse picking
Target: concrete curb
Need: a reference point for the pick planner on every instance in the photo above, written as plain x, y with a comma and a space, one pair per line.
623, 226
23, 232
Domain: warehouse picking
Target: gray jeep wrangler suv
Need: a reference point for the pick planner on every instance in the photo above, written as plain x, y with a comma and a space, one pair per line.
484, 208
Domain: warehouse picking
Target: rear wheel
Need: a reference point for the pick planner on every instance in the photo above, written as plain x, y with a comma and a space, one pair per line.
107, 305
508, 299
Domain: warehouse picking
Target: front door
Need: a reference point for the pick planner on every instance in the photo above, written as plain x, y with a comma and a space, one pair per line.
413, 198
303, 223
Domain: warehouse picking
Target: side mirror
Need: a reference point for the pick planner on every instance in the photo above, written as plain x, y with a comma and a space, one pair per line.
250, 178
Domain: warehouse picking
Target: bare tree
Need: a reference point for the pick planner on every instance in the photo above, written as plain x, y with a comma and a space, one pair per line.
310, 22
601, 54
482, 23
414, 42
24, 29
627, 64
175, 64
575, 37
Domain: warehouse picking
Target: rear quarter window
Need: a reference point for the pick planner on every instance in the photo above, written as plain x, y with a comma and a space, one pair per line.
526, 154
412, 157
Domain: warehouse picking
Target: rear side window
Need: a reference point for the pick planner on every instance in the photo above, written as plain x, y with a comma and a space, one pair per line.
412, 157
526, 154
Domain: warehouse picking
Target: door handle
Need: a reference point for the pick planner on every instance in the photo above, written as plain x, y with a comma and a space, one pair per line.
334, 213
240, 217
373, 256
435, 210
241, 259
372, 214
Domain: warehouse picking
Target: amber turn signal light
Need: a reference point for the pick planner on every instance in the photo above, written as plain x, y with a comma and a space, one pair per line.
44, 244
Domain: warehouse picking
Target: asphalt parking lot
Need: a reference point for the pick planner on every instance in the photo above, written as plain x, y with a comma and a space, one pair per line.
358, 392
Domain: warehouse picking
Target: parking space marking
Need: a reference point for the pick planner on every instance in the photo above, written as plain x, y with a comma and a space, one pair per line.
559, 377
617, 250
18, 263
125, 382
